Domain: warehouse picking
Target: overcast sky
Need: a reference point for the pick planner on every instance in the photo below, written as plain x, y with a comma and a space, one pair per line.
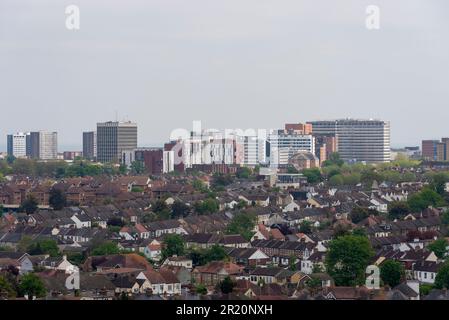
229, 63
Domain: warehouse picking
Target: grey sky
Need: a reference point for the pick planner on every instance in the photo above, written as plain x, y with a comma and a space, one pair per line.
230, 63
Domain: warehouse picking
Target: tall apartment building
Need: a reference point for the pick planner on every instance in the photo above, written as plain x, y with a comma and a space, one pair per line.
435, 150
113, 138
211, 148
324, 146
90, 145
48, 145
254, 150
429, 149
282, 146
17, 144
33, 145
358, 140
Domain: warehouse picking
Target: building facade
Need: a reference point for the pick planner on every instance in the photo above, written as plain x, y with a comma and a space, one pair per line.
17, 144
90, 145
48, 145
113, 138
282, 146
358, 140
435, 150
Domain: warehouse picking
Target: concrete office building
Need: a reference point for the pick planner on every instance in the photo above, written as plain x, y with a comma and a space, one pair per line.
48, 145
254, 150
282, 146
358, 140
113, 138
155, 160
36, 145
90, 145
435, 150
33, 145
17, 144
211, 148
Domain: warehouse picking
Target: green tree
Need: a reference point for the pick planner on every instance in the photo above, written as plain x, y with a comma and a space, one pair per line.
398, 210
227, 285
314, 284
105, 248
305, 227
347, 259
292, 263
317, 268
336, 180
391, 176
115, 221
358, 214
57, 199
408, 177
201, 289
242, 224
179, 209
46, 246
122, 169
223, 180
359, 232
369, 175
439, 247
334, 160
10, 159
442, 278
215, 253
24, 243
445, 218
392, 272
137, 167
423, 199
352, 179
313, 175
31, 285
292, 170
6, 288
243, 173
173, 244
424, 289
29, 205
199, 185
207, 206
159, 206
438, 183
161, 209
23, 166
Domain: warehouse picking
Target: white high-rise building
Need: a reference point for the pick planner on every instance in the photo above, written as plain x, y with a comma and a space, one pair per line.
211, 148
254, 150
168, 161
17, 144
282, 146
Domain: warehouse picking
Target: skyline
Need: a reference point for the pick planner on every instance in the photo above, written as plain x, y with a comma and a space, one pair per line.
62, 146
230, 64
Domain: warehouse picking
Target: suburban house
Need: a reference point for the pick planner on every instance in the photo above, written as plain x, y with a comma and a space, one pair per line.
215, 272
